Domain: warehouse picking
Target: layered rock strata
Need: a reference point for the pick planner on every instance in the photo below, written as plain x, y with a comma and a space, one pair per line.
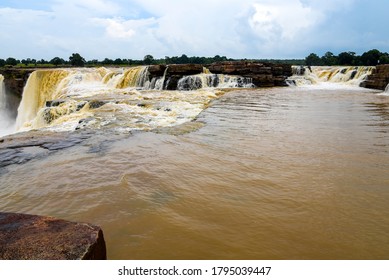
262, 74
379, 79
15, 79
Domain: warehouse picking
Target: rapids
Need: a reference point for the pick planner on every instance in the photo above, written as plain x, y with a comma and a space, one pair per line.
317, 75
71, 99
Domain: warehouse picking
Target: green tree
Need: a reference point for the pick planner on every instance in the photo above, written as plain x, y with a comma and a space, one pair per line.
371, 57
77, 60
43, 61
2, 62
183, 59
329, 59
57, 61
93, 62
148, 59
11, 61
346, 58
107, 61
313, 60
384, 58
118, 61
26, 61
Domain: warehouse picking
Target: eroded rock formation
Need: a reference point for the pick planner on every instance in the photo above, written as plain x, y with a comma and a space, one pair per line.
262, 74
379, 79
30, 237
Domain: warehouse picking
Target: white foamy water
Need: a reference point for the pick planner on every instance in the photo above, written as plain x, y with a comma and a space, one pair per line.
330, 76
69, 99
7, 124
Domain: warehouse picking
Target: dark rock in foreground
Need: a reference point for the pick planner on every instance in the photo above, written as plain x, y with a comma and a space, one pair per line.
30, 237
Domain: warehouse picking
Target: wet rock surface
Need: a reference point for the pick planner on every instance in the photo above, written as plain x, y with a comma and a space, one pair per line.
379, 79
15, 79
23, 147
263, 74
30, 237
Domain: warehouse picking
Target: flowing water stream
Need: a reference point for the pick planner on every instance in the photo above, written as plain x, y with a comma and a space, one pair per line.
7, 123
278, 173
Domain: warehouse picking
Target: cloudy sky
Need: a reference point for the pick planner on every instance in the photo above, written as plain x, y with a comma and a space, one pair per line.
235, 28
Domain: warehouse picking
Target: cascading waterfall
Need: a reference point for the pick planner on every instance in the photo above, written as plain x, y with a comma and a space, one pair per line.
70, 99
41, 86
386, 91
351, 75
203, 80
158, 83
2, 94
6, 121
134, 77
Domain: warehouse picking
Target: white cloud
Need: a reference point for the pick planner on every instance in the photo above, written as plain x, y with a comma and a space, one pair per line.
116, 27
133, 28
273, 21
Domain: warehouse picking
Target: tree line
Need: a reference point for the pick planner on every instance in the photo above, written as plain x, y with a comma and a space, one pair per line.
369, 58
77, 60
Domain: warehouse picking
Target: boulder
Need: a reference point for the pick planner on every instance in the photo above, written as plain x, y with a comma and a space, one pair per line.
30, 237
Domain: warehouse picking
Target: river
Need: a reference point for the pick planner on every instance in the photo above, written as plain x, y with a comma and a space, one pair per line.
278, 173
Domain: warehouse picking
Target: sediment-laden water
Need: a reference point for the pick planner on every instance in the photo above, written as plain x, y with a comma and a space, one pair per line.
280, 173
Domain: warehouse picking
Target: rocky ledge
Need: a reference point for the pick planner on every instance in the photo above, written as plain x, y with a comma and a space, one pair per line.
262, 74
15, 79
379, 79
30, 237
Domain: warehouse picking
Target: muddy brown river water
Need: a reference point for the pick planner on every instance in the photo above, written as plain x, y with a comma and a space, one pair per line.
281, 173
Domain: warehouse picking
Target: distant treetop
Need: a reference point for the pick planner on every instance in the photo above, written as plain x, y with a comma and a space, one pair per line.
369, 58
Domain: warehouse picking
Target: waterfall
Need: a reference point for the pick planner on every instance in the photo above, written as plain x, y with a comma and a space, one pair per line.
134, 77
42, 85
2, 94
387, 89
54, 97
350, 75
203, 80
6, 121
158, 84
71, 99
